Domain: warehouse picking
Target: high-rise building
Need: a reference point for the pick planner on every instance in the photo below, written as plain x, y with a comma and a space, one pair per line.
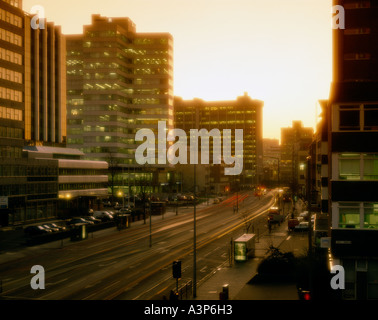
34, 178
271, 162
243, 113
12, 74
352, 113
119, 81
295, 143
45, 85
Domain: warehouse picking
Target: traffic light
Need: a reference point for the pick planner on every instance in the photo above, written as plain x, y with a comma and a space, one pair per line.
306, 295
176, 269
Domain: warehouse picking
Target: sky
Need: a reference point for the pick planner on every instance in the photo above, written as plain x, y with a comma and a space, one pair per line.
278, 51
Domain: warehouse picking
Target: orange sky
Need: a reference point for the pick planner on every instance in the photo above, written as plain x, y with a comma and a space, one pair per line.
278, 51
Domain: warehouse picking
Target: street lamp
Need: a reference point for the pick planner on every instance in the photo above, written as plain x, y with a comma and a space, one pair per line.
194, 238
309, 217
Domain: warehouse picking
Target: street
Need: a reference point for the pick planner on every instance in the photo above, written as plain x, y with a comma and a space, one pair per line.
121, 264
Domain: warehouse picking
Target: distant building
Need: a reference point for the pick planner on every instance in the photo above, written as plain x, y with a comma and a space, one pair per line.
119, 81
295, 145
271, 162
243, 113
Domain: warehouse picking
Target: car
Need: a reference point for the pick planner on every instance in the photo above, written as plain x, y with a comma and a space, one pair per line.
36, 230
216, 201
91, 219
103, 215
124, 211
302, 226
78, 221
292, 223
51, 227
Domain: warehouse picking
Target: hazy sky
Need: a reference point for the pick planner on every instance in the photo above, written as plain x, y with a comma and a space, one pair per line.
278, 51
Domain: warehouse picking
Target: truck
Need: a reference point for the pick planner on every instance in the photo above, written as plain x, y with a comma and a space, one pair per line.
275, 216
244, 247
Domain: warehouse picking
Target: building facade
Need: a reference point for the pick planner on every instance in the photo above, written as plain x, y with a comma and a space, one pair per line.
32, 115
352, 149
271, 162
295, 144
243, 113
12, 74
119, 81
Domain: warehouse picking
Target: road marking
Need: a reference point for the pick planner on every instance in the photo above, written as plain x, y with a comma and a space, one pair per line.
288, 238
203, 269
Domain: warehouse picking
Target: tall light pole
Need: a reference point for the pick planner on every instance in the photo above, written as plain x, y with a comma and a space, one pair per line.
309, 220
194, 239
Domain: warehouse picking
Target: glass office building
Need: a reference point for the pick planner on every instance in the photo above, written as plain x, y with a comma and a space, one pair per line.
119, 81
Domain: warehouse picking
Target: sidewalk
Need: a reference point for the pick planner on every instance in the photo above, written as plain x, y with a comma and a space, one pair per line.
238, 276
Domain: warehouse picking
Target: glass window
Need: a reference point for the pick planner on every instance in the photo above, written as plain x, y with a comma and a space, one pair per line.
371, 167
349, 167
371, 117
349, 215
349, 117
371, 215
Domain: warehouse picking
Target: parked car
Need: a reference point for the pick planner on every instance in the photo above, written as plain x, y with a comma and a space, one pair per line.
36, 230
76, 221
91, 219
51, 227
124, 211
103, 215
292, 223
302, 226
303, 216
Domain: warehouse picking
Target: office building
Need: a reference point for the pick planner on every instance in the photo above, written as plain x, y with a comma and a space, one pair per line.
243, 113
119, 81
12, 73
352, 149
295, 144
33, 115
271, 162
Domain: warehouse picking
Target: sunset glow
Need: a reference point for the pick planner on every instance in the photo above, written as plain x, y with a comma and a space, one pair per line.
277, 51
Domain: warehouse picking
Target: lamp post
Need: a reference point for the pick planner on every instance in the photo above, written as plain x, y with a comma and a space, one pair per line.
194, 239
309, 219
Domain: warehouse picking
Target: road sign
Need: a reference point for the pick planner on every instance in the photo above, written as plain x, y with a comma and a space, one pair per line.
3, 202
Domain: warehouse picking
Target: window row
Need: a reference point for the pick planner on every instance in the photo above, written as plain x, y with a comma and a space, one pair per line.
10, 75
10, 18
28, 189
357, 215
358, 167
23, 171
81, 186
14, 3
10, 37
9, 113
362, 117
10, 56
10, 152
14, 133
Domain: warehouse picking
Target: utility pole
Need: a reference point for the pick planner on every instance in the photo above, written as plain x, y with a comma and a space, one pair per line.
309, 220
194, 238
